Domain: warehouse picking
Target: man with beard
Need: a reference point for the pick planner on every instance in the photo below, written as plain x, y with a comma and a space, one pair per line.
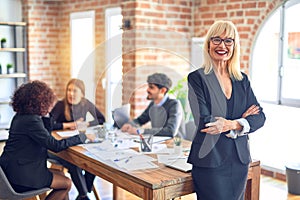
164, 113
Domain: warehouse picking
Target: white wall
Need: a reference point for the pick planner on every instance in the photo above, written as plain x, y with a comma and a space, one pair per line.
10, 10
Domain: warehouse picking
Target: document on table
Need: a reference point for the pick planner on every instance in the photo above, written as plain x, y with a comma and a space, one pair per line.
128, 159
136, 162
67, 133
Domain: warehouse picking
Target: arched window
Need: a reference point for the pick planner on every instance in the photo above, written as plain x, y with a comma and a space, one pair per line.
275, 64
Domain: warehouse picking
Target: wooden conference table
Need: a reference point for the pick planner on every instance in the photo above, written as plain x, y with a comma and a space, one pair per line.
158, 184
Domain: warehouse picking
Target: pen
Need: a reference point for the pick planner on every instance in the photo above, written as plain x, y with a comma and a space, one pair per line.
119, 159
126, 161
138, 132
144, 144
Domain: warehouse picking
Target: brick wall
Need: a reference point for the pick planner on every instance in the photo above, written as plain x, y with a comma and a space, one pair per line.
49, 41
157, 41
43, 43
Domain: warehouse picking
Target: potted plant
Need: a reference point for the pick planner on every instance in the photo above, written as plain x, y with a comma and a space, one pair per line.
3, 43
9, 68
179, 91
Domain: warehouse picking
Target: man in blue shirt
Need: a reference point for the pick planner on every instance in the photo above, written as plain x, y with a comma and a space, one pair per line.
164, 113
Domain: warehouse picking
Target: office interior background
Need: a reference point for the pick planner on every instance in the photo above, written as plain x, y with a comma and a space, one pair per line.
113, 45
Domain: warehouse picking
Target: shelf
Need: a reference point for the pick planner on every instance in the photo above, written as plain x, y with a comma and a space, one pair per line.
14, 75
12, 49
15, 52
13, 23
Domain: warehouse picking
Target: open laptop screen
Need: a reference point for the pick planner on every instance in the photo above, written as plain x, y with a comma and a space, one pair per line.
121, 115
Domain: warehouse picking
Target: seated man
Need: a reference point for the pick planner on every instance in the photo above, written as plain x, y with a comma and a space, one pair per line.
165, 114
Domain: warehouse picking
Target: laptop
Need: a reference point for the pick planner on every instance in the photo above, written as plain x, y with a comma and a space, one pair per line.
121, 115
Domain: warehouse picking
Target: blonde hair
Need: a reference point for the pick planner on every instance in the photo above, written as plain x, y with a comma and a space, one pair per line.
79, 84
230, 31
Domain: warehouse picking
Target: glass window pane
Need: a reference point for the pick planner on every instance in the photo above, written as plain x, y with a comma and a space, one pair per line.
291, 59
264, 71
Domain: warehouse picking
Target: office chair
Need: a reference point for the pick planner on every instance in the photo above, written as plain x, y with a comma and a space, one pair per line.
7, 192
58, 166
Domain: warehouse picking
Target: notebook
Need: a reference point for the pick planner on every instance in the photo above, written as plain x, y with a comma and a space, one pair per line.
180, 164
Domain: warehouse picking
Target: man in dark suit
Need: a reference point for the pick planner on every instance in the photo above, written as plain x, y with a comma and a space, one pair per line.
164, 113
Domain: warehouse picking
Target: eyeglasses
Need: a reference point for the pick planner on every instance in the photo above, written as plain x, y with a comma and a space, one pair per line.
218, 40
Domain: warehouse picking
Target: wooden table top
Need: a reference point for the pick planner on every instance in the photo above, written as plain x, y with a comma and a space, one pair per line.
133, 181
152, 178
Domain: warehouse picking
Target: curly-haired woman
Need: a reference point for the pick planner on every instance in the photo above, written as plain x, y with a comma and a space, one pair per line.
24, 159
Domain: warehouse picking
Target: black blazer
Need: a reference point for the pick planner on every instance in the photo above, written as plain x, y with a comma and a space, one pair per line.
204, 91
165, 120
25, 153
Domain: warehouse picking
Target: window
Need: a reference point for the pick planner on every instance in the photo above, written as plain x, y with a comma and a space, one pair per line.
276, 57
275, 79
113, 49
82, 45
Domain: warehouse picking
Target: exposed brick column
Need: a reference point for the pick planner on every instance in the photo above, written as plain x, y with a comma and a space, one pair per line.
158, 41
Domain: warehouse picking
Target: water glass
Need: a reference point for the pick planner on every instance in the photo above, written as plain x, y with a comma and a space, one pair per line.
111, 136
81, 127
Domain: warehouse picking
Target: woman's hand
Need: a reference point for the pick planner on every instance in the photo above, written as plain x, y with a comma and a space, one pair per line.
69, 125
72, 125
252, 110
222, 125
91, 136
219, 126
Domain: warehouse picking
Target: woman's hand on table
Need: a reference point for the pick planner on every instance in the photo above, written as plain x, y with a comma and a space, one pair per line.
90, 136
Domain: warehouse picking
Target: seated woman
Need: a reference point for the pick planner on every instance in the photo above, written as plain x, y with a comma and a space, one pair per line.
67, 114
74, 108
24, 158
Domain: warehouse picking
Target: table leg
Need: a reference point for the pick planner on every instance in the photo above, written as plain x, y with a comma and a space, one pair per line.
253, 184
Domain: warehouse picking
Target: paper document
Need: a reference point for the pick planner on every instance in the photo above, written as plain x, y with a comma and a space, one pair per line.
67, 133
135, 162
127, 159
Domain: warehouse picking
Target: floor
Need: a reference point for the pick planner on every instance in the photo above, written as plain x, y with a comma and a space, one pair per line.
270, 189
